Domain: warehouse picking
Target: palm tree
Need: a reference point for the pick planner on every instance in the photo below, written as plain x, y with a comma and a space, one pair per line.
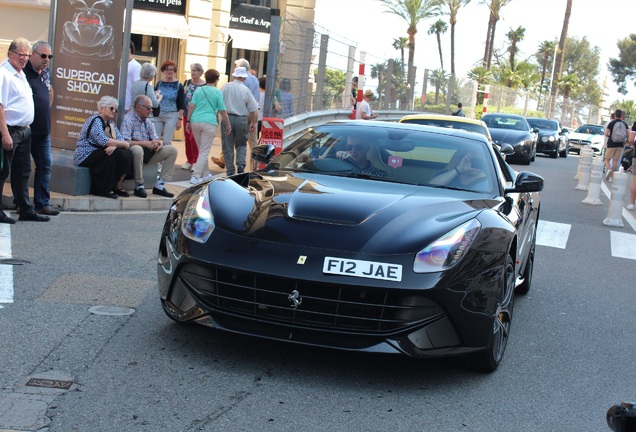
438, 79
545, 54
438, 28
558, 64
495, 9
378, 71
400, 44
483, 76
453, 7
568, 83
413, 12
514, 36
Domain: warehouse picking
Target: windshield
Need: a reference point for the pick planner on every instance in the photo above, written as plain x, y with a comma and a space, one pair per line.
501, 122
544, 124
590, 129
391, 154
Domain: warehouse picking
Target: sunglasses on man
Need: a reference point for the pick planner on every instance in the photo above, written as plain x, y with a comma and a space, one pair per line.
43, 56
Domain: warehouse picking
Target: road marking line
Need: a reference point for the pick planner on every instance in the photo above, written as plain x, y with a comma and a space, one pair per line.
623, 244
553, 234
6, 271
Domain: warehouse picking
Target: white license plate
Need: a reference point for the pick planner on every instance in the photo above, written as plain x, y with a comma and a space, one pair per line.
363, 269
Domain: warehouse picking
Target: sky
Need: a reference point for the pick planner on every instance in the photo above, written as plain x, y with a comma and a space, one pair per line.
366, 23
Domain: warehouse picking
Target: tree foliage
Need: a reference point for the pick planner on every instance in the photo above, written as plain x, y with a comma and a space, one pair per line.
623, 69
413, 12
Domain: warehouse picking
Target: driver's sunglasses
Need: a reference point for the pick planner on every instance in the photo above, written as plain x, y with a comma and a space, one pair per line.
113, 109
148, 107
43, 56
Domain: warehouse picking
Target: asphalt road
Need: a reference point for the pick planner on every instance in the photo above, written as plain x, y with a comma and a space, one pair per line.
570, 356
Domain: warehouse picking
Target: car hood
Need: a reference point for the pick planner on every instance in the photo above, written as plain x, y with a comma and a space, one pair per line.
340, 213
507, 136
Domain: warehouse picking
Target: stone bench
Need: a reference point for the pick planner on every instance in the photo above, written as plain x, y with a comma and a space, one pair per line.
70, 179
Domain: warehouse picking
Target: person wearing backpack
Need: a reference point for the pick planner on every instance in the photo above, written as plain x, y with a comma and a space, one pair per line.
617, 134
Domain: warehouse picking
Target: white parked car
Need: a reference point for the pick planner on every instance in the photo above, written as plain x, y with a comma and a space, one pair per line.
587, 135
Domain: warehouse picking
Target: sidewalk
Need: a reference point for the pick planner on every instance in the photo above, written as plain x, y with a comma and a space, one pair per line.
88, 203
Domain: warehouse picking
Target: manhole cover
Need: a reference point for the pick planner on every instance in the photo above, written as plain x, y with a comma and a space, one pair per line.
11, 261
49, 383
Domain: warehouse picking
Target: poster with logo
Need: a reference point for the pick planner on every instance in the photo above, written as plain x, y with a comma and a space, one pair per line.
87, 59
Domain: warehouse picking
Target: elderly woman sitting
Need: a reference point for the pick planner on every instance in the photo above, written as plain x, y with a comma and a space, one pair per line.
142, 86
102, 149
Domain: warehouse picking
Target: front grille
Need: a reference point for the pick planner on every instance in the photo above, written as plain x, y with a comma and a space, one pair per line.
324, 305
580, 142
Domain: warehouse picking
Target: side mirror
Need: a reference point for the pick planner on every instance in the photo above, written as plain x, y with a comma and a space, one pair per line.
565, 131
527, 182
263, 153
535, 130
507, 149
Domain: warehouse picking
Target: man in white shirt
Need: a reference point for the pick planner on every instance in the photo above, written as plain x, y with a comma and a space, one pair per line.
364, 110
16, 114
251, 82
242, 110
133, 74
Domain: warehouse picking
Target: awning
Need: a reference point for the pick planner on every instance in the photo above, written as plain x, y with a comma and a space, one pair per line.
159, 24
255, 41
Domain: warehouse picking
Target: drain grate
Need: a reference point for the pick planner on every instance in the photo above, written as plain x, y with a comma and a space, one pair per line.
49, 383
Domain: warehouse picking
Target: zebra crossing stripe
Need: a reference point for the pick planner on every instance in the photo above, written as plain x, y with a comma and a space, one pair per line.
553, 234
622, 245
6, 271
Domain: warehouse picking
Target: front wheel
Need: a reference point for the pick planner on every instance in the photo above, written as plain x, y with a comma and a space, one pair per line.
489, 359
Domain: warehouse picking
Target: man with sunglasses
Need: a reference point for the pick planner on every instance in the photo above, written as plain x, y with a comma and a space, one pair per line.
41, 127
357, 151
16, 114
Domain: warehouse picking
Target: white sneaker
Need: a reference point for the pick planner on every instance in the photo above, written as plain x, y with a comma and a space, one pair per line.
195, 180
630, 207
207, 177
186, 166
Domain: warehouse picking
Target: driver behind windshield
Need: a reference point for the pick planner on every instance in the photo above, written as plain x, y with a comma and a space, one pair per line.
357, 151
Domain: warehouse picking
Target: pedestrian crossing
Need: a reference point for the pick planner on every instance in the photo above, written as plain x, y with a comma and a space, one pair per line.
555, 234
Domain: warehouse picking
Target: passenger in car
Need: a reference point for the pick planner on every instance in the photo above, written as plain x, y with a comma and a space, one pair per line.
468, 173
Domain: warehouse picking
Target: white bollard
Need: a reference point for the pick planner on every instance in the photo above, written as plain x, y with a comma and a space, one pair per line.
619, 186
581, 153
594, 188
586, 169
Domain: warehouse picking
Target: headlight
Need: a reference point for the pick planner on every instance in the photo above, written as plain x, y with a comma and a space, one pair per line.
447, 250
198, 222
546, 139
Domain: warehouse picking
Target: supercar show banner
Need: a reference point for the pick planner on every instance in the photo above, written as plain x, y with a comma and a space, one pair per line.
88, 49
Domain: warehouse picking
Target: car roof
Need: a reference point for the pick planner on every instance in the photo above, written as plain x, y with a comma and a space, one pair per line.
449, 119
410, 126
515, 116
442, 117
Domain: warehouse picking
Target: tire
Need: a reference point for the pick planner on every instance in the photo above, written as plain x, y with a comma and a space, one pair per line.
489, 359
524, 287
565, 152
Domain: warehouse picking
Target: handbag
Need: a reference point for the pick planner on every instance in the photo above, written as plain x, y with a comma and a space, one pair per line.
155, 111
148, 154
